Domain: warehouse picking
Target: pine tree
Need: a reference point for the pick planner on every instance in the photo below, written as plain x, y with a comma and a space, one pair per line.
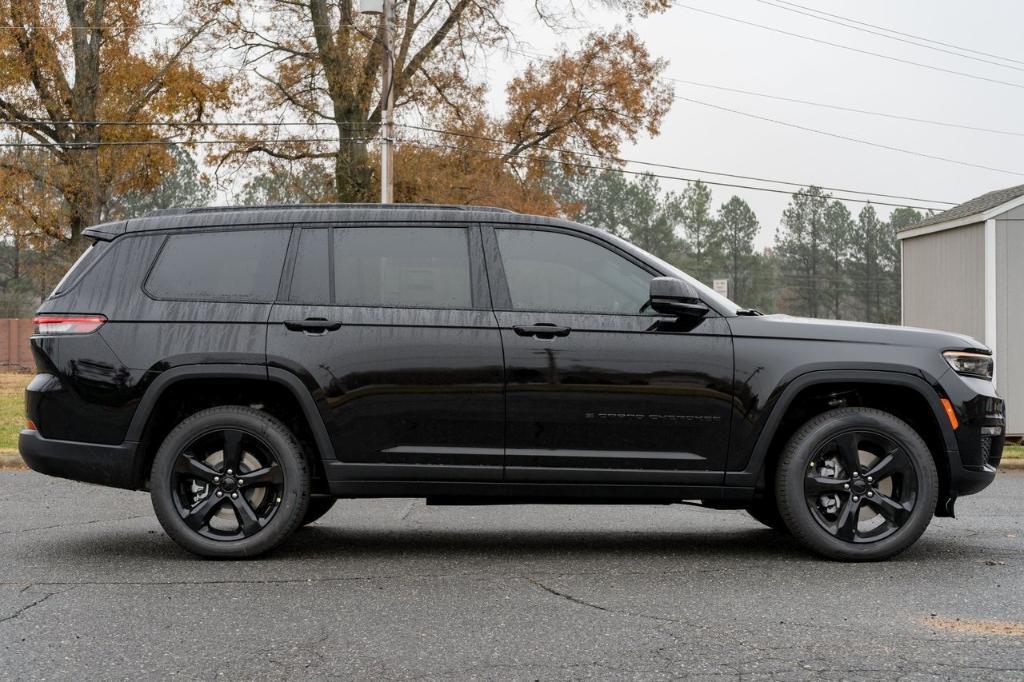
739, 228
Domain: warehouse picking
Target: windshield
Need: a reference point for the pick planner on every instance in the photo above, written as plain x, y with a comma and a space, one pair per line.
707, 294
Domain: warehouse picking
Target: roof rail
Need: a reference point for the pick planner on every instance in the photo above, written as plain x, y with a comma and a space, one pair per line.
424, 207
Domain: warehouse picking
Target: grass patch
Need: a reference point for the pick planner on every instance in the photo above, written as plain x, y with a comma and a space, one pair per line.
1013, 452
12, 408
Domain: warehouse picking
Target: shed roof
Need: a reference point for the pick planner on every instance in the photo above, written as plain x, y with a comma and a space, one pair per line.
976, 207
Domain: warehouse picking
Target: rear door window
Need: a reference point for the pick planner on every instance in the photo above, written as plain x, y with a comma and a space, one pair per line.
402, 267
240, 265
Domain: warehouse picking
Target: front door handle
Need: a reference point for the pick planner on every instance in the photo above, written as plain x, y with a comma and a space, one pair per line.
312, 325
543, 330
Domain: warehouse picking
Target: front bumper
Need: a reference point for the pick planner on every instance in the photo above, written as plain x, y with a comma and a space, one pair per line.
979, 438
110, 465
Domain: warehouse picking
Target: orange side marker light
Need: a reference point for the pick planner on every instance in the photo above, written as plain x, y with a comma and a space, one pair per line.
948, 406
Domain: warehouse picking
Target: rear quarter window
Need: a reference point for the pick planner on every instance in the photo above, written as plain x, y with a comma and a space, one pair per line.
239, 265
74, 274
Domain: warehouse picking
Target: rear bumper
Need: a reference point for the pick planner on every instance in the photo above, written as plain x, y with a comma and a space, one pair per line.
110, 465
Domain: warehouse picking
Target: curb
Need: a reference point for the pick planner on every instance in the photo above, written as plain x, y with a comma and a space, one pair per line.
11, 461
1015, 464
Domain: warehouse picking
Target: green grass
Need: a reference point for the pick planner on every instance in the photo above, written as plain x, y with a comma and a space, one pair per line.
1013, 452
12, 408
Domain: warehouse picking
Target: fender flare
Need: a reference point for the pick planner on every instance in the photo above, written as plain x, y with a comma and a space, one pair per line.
751, 474
282, 377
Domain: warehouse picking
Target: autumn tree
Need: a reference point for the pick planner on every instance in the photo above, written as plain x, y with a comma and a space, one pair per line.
184, 185
66, 68
320, 62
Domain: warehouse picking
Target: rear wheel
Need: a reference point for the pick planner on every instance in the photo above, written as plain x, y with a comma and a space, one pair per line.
856, 484
230, 482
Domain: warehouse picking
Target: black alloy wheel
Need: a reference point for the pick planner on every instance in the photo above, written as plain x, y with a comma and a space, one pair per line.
856, 484
227, 484
230, 482
861, 486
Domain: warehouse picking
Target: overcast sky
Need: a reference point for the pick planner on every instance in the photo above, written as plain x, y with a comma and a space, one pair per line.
724, 53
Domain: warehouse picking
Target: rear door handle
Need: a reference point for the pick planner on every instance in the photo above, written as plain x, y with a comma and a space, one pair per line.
312, 325
543, 330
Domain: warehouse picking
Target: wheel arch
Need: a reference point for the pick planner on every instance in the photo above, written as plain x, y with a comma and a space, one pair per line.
920, 407
250, 384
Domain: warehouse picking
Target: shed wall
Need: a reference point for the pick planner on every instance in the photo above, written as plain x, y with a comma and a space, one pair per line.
944, 281
1010, 317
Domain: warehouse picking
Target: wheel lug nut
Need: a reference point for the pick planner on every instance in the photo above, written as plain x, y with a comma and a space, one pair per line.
856, 499
870, 479
846, 486
216, 479
234, 496
230, 472
856, 474
870, 494
220, 494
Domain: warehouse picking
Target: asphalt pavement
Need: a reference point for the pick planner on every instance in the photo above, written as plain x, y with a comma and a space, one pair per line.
90, 587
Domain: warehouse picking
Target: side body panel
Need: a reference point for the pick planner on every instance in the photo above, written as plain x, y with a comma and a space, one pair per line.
620, 398
103, 375
406, 393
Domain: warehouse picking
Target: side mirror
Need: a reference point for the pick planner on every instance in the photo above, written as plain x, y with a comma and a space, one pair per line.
671, 296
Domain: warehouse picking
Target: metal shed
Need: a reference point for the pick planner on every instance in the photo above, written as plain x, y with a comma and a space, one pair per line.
963, 271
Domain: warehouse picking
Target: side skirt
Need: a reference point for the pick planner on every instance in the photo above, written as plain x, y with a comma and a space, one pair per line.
459, 492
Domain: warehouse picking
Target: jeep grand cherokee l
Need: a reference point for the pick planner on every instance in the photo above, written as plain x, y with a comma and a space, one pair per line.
248, 366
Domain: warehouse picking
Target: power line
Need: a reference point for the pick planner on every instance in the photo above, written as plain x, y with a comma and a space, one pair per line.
848, 138
883, 35
854, 110
185, 142
906, 35
574, 164
613, 159
849, 47
652, 164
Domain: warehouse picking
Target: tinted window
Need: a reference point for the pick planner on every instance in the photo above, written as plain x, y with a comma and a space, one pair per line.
237, 266
311, 279
402, 267
84, 262
553, 272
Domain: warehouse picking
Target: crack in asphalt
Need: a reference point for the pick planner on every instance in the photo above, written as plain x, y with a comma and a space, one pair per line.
21, 611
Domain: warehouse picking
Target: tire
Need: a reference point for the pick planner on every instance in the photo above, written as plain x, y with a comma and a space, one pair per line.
849, 460
230, 482
318, 506
767, 512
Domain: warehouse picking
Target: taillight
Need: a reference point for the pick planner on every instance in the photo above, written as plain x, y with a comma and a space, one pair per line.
67, 324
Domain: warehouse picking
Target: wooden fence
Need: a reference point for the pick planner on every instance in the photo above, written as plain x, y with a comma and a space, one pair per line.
15, 354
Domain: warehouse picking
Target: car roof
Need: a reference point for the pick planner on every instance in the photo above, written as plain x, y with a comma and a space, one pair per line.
243, 216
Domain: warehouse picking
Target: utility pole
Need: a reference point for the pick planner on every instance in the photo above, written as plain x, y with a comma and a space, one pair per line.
387, 160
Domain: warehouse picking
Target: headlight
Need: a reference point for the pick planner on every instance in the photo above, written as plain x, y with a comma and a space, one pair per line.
970, 364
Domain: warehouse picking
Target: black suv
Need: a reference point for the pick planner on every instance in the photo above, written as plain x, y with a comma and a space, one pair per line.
248, 366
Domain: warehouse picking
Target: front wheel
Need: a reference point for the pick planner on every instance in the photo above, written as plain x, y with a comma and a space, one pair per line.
856, 484
230, 482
